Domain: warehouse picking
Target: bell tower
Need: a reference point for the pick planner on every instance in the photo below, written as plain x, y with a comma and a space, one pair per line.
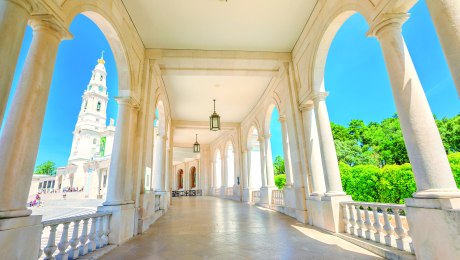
92, 117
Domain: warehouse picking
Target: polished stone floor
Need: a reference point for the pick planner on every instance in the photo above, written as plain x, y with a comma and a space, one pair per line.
213, 228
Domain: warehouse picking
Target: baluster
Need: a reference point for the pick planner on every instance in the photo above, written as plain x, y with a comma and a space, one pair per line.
92, 236
106, 231
352, 219
367, 222
73, 252
359, 221
40, 251
83, 248
387, 226
63, 243
399, 230
346, 218
51, 245
377, 225
99, 233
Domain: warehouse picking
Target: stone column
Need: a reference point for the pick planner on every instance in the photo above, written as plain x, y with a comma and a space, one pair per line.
248, 167
160, 163
313, 151
329, 156
446, 18
118, 166
213, 178
245, 169
20, 137
13, 22
269, 162
286, 151
263, 165
431, 168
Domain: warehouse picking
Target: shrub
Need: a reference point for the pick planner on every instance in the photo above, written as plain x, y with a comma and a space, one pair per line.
280, 181
396, 183
361, 182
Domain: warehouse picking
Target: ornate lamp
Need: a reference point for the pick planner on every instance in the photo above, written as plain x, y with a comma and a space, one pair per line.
214, 120
196, 145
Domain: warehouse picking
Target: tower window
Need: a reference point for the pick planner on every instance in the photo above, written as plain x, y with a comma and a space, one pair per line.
101, 77
86, 105
98, 106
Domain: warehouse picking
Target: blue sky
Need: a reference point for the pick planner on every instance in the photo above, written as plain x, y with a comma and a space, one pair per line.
355, 76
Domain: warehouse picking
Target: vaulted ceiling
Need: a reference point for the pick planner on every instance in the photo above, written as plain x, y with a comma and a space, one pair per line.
227, 50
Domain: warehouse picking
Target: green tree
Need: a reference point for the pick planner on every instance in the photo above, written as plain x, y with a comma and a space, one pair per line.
450, 133
278, 165
47, 168
280, 181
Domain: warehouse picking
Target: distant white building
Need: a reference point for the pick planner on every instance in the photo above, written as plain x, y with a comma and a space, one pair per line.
89, 160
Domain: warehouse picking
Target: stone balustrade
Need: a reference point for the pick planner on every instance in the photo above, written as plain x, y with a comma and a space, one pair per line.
379, 222
255, 196
88, 233
229, 192
278, 197
217, 192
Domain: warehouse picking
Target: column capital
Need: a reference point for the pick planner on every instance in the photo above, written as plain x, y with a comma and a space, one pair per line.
282, 118
305, 107
260, 138
47, 22
127, 101
387, 21
320, 96
267, 136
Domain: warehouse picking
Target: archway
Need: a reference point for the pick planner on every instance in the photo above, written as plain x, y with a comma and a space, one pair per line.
193, 179
180, 179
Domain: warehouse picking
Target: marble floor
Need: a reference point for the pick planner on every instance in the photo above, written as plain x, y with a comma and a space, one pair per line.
213, 228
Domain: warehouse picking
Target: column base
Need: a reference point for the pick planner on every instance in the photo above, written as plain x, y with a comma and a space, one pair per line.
434, 227
324, 212
121, 222
247, 194
20, 237
266, 195
116, 203
15, 213
437, 194
146, 213
301, 205
223, 191
334, 193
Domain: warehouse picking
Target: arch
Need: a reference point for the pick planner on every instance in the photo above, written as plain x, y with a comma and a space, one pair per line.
180, 179
268, 117
230, 163
111, 30
193, 177
330, 28
161, 117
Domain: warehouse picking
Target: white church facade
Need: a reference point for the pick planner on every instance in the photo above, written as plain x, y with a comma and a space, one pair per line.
89, 161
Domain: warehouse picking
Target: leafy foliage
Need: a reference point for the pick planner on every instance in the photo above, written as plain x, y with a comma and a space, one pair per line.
280, 181
278, 166
47, 168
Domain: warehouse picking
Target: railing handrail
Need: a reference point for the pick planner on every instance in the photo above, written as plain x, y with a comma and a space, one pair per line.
375, 204
57, 221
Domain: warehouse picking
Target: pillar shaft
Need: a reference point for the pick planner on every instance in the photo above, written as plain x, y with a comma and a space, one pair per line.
426, 152
286, 151
119, 161
245, 172
263, 165
224, 171
13, 21
446, 18
313, 151
20, 137
249, 165
160, 164
269, 162
329, 156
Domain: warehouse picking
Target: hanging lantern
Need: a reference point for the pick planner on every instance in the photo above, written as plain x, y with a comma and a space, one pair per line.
196, 145
214, 120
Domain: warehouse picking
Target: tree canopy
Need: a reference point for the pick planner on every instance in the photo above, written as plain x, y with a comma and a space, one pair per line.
382, 143
46, 168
